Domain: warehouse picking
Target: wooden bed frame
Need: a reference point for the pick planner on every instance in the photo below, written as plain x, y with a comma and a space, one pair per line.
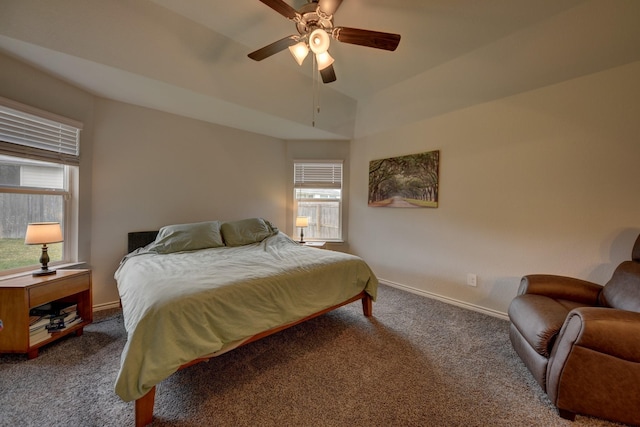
144, 405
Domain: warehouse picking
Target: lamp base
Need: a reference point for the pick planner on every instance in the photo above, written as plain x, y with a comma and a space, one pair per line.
44, 263
43, 272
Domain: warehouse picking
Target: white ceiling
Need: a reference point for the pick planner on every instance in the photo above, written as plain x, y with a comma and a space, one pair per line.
189, 57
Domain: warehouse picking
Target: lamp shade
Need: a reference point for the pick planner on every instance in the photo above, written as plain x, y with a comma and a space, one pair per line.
319, 41
302, 221
324, 60
39, 233
299, 52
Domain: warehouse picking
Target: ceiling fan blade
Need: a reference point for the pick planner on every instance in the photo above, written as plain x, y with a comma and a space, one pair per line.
273, 48
375, 39
328, 74
282, 8
329, 6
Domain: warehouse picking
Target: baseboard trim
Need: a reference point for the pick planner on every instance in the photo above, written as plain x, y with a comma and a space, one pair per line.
452, 301
106, 306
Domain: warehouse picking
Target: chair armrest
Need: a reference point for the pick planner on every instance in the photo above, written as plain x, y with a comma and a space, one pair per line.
560, 287
594, 367
606, 330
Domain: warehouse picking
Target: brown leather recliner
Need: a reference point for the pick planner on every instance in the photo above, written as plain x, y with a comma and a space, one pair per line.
581, 341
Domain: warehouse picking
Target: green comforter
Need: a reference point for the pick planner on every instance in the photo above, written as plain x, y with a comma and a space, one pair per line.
182, 306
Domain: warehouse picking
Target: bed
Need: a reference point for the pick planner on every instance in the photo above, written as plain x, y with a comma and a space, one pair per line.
190, 292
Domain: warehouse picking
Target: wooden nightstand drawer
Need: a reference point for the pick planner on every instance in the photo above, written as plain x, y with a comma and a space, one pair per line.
44, 293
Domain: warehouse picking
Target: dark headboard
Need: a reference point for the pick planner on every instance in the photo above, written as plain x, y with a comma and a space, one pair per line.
139, 239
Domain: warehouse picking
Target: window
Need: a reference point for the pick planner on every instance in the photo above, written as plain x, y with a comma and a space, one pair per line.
38, 182
317, 187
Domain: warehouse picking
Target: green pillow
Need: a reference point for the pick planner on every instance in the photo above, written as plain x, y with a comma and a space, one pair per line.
246, 231
187, 237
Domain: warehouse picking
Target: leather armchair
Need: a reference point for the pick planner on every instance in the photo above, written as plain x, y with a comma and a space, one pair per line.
581, 341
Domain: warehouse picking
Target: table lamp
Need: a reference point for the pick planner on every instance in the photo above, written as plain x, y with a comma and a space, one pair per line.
302, 222
42, 233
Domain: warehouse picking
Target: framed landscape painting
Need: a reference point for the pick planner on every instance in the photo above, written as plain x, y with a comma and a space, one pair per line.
405, 182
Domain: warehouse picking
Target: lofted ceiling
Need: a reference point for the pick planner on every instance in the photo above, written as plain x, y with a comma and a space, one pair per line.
189, 57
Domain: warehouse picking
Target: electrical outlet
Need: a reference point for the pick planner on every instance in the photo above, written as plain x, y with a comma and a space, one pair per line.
472, 279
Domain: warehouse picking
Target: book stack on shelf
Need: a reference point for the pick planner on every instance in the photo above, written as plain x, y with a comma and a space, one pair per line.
51, 318
38, 329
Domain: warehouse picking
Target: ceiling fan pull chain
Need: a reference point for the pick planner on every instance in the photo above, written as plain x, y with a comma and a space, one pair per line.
318, 93
314, 85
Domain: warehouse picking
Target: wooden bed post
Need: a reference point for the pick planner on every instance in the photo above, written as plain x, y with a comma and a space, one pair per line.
367, 305
144, 408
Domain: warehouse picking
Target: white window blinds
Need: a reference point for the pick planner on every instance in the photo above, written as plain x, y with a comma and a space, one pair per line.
317, 174
41, 136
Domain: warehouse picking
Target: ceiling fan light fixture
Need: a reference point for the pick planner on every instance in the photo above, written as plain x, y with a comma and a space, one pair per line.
324, 60
314, 24
319, 41
299, 52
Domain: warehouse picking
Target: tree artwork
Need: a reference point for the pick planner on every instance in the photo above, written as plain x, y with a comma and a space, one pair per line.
405, 182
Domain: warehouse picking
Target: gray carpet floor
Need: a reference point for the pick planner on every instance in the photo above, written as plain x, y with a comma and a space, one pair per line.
417, 362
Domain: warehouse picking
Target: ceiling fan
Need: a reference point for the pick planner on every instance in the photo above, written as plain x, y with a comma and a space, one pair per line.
314, 22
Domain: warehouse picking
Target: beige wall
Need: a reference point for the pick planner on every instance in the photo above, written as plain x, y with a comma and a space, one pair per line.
546, 181
152, 169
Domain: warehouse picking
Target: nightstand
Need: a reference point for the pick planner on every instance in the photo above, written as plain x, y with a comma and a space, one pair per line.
316, 244
19, 295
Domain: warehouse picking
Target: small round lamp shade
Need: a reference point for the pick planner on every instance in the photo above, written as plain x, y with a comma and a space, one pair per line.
324, 60
299, 52
302, 221
39, 233
319, 41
